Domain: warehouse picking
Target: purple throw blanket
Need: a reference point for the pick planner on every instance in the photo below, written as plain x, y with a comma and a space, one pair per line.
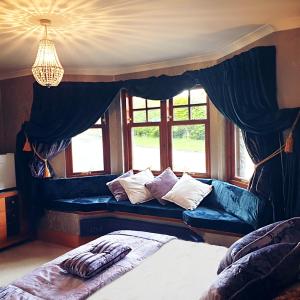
50, 281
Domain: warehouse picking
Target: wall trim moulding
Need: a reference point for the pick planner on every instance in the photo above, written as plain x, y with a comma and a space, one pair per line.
206, 59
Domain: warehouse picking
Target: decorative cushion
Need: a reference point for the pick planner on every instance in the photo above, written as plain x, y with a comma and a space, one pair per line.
215, 219
134, 186
287, 231
162, 184
107, 246
88, 264
116, 188
259, 275
188, 192
241, 203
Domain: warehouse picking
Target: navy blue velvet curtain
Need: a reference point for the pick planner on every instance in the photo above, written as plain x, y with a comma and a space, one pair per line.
292, 179
59, 113
242, 88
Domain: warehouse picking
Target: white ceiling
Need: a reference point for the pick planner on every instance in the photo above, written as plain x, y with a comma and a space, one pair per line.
119, 36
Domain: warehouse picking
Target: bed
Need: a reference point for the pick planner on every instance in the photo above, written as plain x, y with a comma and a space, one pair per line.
163, 267
178, 263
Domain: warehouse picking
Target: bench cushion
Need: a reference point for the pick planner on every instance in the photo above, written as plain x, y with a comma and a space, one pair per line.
204, 217
71, 188
80, 204
153, 208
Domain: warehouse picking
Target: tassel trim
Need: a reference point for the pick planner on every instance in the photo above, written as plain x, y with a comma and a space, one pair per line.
287, 147
289, 143
27, 146
47, 173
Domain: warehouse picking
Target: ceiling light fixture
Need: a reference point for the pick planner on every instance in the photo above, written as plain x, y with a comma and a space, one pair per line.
47, 69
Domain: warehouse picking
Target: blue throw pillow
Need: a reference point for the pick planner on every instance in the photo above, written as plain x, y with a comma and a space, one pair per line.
239, 202
287, 231
261, 274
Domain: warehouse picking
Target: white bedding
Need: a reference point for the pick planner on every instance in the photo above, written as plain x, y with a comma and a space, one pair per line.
180, 270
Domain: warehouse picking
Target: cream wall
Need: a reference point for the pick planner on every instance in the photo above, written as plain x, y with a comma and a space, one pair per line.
1, 125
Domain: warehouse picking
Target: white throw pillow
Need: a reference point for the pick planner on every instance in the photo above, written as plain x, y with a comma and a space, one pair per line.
188, 192
134, 186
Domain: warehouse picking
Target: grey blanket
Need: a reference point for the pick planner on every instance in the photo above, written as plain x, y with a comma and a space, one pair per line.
51, 282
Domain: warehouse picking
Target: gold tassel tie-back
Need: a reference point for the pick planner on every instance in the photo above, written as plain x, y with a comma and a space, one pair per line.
27, 147
287, 147
289, 144
47, 173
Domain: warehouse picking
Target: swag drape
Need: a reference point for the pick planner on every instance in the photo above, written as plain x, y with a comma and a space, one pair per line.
242, 88
39, 164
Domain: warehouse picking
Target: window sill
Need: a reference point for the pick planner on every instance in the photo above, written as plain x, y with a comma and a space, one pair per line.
86, 174
239, 182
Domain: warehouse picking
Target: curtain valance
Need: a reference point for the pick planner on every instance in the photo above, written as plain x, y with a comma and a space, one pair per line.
243, 89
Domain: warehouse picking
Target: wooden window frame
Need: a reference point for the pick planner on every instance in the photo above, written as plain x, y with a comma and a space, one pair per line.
165, 125
106, 152
230, 157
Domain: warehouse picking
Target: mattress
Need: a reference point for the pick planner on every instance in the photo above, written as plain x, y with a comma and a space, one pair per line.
179, 270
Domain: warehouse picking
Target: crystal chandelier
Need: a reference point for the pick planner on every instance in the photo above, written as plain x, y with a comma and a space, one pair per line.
47, 69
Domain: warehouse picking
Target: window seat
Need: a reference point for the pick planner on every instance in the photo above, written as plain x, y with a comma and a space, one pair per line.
227, 209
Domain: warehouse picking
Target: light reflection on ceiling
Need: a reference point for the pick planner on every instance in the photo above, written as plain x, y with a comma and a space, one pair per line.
110, 35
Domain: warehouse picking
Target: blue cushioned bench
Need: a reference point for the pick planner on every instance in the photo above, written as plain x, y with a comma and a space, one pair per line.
228, 208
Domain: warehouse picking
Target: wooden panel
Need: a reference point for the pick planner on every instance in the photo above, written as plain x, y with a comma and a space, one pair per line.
3, 231
8, 194
15, 206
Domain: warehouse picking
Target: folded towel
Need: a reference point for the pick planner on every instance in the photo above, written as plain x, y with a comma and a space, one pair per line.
88, 264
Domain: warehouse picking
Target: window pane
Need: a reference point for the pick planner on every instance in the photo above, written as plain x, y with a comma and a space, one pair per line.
139, 116
154, 115
138, 102
99, 122
181, 99
145, 148
198, 112
181, 114
153, 103
87, 151
244, 166
197, 96
188, 148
